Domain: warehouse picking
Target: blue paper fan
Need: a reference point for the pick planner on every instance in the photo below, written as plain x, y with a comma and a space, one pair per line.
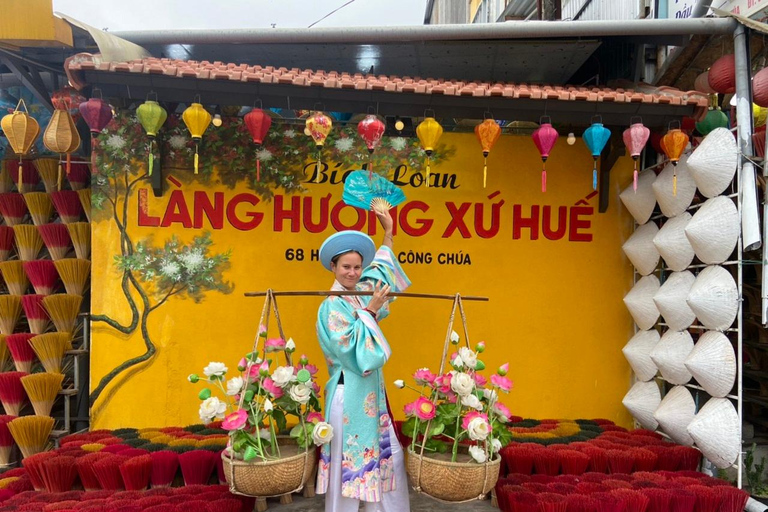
363, 188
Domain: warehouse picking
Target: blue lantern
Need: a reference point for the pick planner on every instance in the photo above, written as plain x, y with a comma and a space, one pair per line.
596, 137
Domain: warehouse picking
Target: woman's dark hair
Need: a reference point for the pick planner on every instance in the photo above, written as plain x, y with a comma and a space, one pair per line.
335, 259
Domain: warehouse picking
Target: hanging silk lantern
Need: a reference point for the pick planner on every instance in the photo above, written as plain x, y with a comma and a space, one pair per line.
701, 83
760, 88
61, 136
429, 132
635, 139
722, 75
688, 124
674, 143
151, 116
544, 137
258, 123
487, 132
596, 137
96, 112
67, 98
21, 130
197, 120
319, 126
715, 118
371, 130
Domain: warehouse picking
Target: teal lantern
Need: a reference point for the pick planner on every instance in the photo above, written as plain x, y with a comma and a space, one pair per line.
715, 118
596, 137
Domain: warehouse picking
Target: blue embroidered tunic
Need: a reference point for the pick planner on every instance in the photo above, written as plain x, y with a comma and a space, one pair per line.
354, 344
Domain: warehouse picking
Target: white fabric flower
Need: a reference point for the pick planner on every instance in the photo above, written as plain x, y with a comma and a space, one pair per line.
478, 429
399, 384
490, 394
212, 408
495, 445
472, 401
322, 433
300, 393
290, 345
398, 143
468, 357
268, 405
116, 142
283, 376
462, 384
457, 362
215, 370
264, 433
177, 141
454, 337
234, 386
477, 453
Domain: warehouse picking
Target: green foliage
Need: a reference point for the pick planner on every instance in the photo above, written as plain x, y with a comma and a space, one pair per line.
754, 473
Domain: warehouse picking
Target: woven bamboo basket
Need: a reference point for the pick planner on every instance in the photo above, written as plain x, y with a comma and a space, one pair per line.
638, 353
640, 249
672, 243
639, 302
270, 478
713, 164
641, 401
452, 481
640, 202
673, 201
670, 299
675, 413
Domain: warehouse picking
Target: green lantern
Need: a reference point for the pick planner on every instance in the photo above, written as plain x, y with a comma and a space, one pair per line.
151, 116
715, 118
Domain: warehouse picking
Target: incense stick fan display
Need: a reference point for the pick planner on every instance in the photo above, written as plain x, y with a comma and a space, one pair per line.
363, 189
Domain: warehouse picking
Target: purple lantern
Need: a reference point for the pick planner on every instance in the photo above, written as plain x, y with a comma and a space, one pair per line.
544, 137
635, 138
96, 112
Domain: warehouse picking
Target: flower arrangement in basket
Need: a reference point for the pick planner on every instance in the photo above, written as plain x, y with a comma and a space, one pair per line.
256, 407
457, 425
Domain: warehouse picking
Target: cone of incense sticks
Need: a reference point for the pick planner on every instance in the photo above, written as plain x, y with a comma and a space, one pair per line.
43, 276
47, 168
74, 274
29, 177
40, 207
56, 238
67, 203
80, 233
31, 433
63, 309
21, 350
4, 353
85, 200
13, 208
6, 440
12, 393
6, 179
50, 349
28, 241
42, 390
78, 176
10, 311
37, 318
14, 276
7, 241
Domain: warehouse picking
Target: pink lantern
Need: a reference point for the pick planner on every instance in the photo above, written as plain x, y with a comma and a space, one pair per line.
544, 137
701, 83
635, 138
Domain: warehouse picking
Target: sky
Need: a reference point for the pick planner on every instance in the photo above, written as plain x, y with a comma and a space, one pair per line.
117, 15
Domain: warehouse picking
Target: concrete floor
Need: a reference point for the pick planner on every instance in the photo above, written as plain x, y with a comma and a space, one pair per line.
419, 503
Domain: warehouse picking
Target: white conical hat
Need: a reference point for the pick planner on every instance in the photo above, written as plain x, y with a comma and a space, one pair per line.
670, 299
716, 429
673, 201
670, 354
675, 413
641, 401
714, 230
640, 202
714, 298
639, 302
713, 163
638, 353
672, 243
640, 249
713, 363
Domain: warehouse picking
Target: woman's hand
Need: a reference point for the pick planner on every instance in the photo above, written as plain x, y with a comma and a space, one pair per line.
386, 222
380, 292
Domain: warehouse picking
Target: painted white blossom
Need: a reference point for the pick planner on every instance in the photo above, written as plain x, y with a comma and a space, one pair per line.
477, 453
171, 270
116, 142
398, 143
234, 386
192, 260
290, 133
177, 141
264, 155
344, 144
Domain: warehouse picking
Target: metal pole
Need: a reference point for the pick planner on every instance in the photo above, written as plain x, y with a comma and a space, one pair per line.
744, 136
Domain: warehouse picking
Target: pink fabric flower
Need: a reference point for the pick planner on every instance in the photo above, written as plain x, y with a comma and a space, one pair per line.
235, 421
242, 365
472, 415
410, 409
253, 373
425, 409
480, 380
443, 383
272, 388
316, 388
274, 344
452, 397
503, 411
312, 369
315, 417
424, 377
502, 383
503, 369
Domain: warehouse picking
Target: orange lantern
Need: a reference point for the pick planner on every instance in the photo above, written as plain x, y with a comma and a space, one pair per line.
673, 144
318, 126
21, 130
487, 132
61, 136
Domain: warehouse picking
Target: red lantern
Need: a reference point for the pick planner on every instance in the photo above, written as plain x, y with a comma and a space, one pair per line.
67, 98
722, 75
760, 88
371, 130
258, 123
655, 139
544, 137
96, 112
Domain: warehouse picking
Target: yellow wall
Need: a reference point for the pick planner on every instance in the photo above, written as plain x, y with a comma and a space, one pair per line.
32, 23
555, 312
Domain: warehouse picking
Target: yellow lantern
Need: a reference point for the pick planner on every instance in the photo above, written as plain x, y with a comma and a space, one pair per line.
197, 120
21, 130
759, 114
488, 132
429, 132
318, 126
61, 136
674, 143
